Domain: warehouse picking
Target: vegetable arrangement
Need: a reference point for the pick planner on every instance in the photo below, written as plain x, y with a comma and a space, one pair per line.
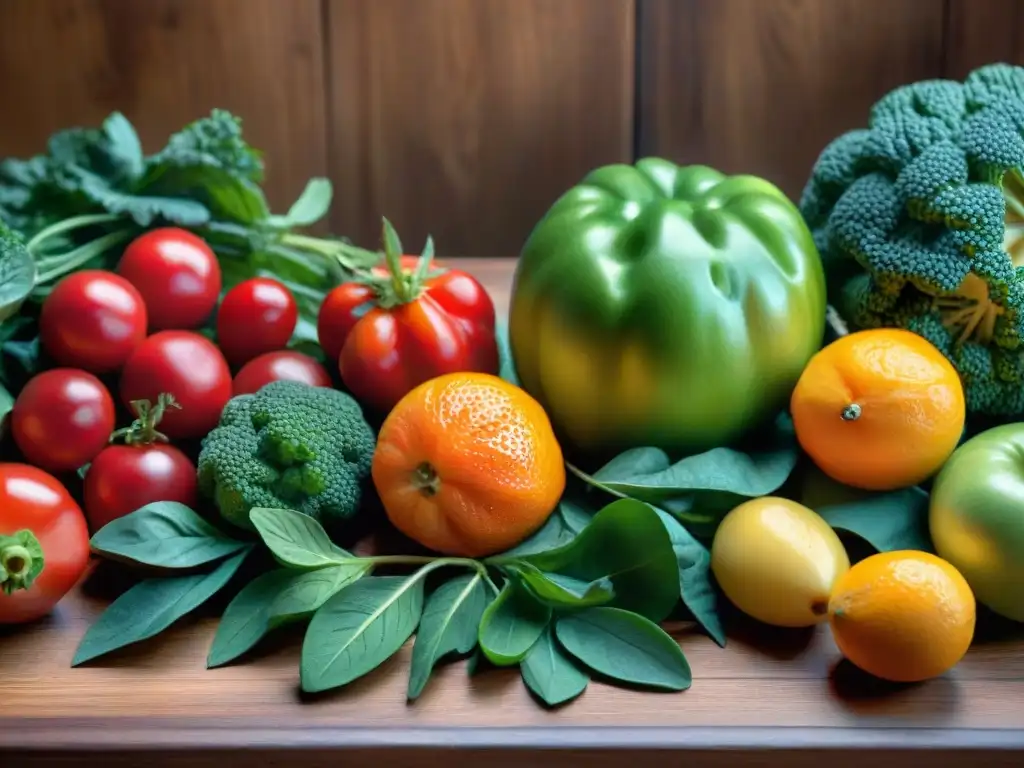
707, 442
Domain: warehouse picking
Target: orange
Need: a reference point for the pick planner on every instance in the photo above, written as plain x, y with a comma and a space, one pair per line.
903, 616
879, 409
467, 464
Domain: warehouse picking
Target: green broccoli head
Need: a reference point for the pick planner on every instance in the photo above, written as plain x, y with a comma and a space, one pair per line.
920, 222
288, 446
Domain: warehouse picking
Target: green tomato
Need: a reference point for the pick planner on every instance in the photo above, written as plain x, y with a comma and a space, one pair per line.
976, 517
666, 306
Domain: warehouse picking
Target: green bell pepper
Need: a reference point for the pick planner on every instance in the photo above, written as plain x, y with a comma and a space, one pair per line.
976, 517
667, 306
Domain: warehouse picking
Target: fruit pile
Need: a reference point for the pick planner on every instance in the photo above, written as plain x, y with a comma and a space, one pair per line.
674, 420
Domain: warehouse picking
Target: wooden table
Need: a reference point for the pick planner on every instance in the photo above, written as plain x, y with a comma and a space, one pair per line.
770, 698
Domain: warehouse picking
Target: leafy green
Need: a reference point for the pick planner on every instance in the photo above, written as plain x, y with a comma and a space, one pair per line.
6, 406
311, 206
296, 540
561, 527
150, 607
560, 591
506, 363
17, 272
246, 620
511, 625
450, 622
164, 534
358, 629
626, 647
887, 521
309, 590
550, 674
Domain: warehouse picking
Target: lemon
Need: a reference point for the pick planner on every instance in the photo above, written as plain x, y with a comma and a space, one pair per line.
777, 561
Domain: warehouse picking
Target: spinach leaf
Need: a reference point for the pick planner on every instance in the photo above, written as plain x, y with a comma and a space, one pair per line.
561, 527
550, 674
17, 272
144, 209
164, 534
297, 540
627, 543
123, 147
626, 647
246, 620
150, 607
562, 591
450, 622
511, 625
304, 595
359, 629
696, 585
311, 206
887, 521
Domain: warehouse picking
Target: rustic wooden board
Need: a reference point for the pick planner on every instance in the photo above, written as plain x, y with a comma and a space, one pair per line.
772, 697
465, 119
164, 63
981, 32
761, 86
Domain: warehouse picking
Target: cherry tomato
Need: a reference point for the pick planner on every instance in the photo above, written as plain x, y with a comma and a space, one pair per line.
187, 366
177, 275
62, 418
276, 366
32, 500
92, 320
256, 316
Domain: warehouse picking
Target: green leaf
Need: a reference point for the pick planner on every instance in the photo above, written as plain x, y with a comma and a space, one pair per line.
309, 590
311, 206
246, 620
449, 625
297, 540
142, 208
6, 406
552, 676
561, 527
560, 591
506, 363
150, 607
17, 272
511, 625
695, 581
887, 521
359, 629
626, 542
626, 647
164, 534
123, 146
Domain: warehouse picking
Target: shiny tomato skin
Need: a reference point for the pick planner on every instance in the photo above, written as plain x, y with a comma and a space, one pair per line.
176, 273
256, 316
286, 365
339, 313
32, 499
92, 320
62, 418
187, 366
123, 478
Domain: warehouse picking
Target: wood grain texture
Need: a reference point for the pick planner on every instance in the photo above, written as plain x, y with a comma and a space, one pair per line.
777, 690
761, 86
465, 119
982, 32
164, 63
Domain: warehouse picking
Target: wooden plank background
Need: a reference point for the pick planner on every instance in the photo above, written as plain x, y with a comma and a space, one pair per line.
465, 119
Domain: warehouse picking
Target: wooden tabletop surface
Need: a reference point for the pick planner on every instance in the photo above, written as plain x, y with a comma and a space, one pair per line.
769, 696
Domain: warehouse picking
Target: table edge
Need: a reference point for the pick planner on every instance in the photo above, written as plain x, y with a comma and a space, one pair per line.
179, 734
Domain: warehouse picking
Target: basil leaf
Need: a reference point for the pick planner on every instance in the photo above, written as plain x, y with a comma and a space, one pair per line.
297, 540
887, 521
696, 586
626, 647
560, 591
164, 534
550, 674
359, 629
17, 272
150, 607
450, 622
511, 625
561, 527
246, 620
627, 543
304, 594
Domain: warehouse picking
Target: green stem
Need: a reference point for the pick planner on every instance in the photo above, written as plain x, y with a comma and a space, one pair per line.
72, 260
21, 561
75, 222
431, 563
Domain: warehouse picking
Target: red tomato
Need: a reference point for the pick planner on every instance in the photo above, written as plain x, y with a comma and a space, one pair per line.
123, 478
256, 316
92, 320
276, 366
32, 500
187, 366
177, 274
62, 418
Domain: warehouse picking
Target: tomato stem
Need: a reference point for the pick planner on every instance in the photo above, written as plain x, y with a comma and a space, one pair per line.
143, 431
21, 561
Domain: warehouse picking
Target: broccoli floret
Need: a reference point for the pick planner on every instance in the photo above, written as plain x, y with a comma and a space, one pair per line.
920, 222
290, 446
